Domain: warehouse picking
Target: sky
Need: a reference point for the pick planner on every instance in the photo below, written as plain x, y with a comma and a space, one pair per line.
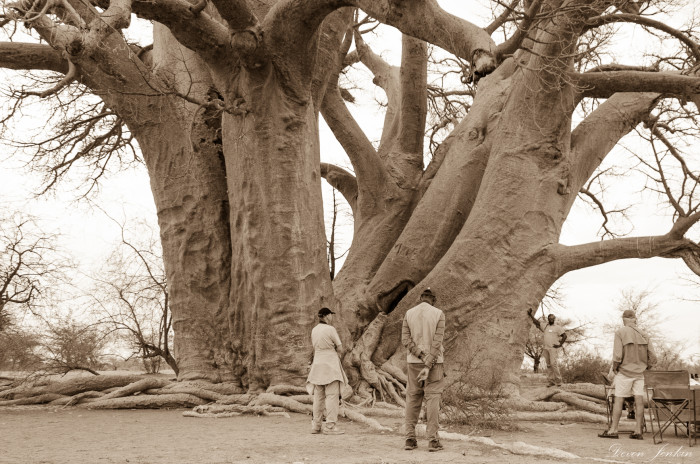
590, 295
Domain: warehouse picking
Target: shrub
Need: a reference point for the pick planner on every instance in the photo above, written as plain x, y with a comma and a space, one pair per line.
476, 398
583, 366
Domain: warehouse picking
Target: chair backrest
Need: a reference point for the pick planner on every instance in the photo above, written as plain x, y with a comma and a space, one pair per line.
654, 379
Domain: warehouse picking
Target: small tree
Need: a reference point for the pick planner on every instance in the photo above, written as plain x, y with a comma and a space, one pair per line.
18, 350
132, 295
29, 265
72, 345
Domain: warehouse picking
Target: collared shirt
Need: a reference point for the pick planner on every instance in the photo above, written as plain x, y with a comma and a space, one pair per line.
326, 367
552, 334
633, 350
422, 333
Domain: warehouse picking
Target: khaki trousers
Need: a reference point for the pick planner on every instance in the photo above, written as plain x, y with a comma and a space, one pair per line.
431, 392
551, 357
326, 397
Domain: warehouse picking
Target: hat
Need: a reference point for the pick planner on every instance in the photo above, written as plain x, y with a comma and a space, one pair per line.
427, 292
324, 312
629, 314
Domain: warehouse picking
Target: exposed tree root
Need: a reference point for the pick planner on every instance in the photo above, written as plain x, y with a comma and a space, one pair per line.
173, 401
305, 399
282, 401
39, 399
216, 410
558, 416
72, 386
286, 390
138, 386
66, 401
356, 416
587, 389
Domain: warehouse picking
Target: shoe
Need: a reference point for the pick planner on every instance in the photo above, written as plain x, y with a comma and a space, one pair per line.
636, 436
333, 430
315, 431
607, 434
631, 415
435, 445
411, 444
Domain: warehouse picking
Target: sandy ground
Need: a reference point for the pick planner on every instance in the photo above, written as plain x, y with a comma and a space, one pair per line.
39, 434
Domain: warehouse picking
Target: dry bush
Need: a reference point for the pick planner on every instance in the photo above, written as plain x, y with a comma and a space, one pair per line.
476, 398
583, 366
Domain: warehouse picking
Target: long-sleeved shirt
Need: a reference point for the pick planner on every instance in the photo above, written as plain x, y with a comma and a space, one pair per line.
422, 334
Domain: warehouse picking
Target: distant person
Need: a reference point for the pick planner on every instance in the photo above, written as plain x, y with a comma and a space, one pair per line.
326, 374
554, 338
422, 334
632, 355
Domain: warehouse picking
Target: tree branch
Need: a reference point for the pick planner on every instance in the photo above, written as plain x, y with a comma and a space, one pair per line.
598, 21
425, 20
570, 258
513, 43
236, 13
342, 181
596, 135
413, 76
605, 84
502, 18
197, 31
20, 55
67, 79
368, 167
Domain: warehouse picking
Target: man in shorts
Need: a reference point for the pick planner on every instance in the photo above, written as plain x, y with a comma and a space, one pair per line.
632, 355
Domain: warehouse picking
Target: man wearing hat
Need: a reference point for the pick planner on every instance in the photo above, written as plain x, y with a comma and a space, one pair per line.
632, 355
422, 334
326, 374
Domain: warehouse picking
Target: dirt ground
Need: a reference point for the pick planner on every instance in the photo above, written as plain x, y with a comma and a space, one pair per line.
40, 434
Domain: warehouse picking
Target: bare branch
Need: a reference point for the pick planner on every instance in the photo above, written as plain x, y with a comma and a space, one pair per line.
67, 79
686, 39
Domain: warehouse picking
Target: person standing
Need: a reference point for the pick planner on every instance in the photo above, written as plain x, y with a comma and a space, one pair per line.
553, 339
422, 334
632, 355
326, 375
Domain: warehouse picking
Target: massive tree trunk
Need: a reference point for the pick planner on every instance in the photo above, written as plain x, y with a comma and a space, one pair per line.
227, 119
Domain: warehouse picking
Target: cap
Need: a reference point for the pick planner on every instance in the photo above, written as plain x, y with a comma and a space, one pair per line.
324, 312
629, 314
427, 292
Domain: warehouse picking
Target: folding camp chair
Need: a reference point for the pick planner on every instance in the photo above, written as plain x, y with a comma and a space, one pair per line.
671, 401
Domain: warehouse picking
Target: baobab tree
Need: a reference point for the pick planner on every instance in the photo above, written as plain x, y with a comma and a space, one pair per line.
225, 106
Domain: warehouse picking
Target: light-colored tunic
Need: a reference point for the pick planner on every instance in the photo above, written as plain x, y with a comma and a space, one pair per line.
326, 367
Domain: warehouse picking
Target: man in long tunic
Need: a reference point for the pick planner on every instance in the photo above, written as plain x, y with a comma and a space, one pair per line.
326, 375
422, 334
